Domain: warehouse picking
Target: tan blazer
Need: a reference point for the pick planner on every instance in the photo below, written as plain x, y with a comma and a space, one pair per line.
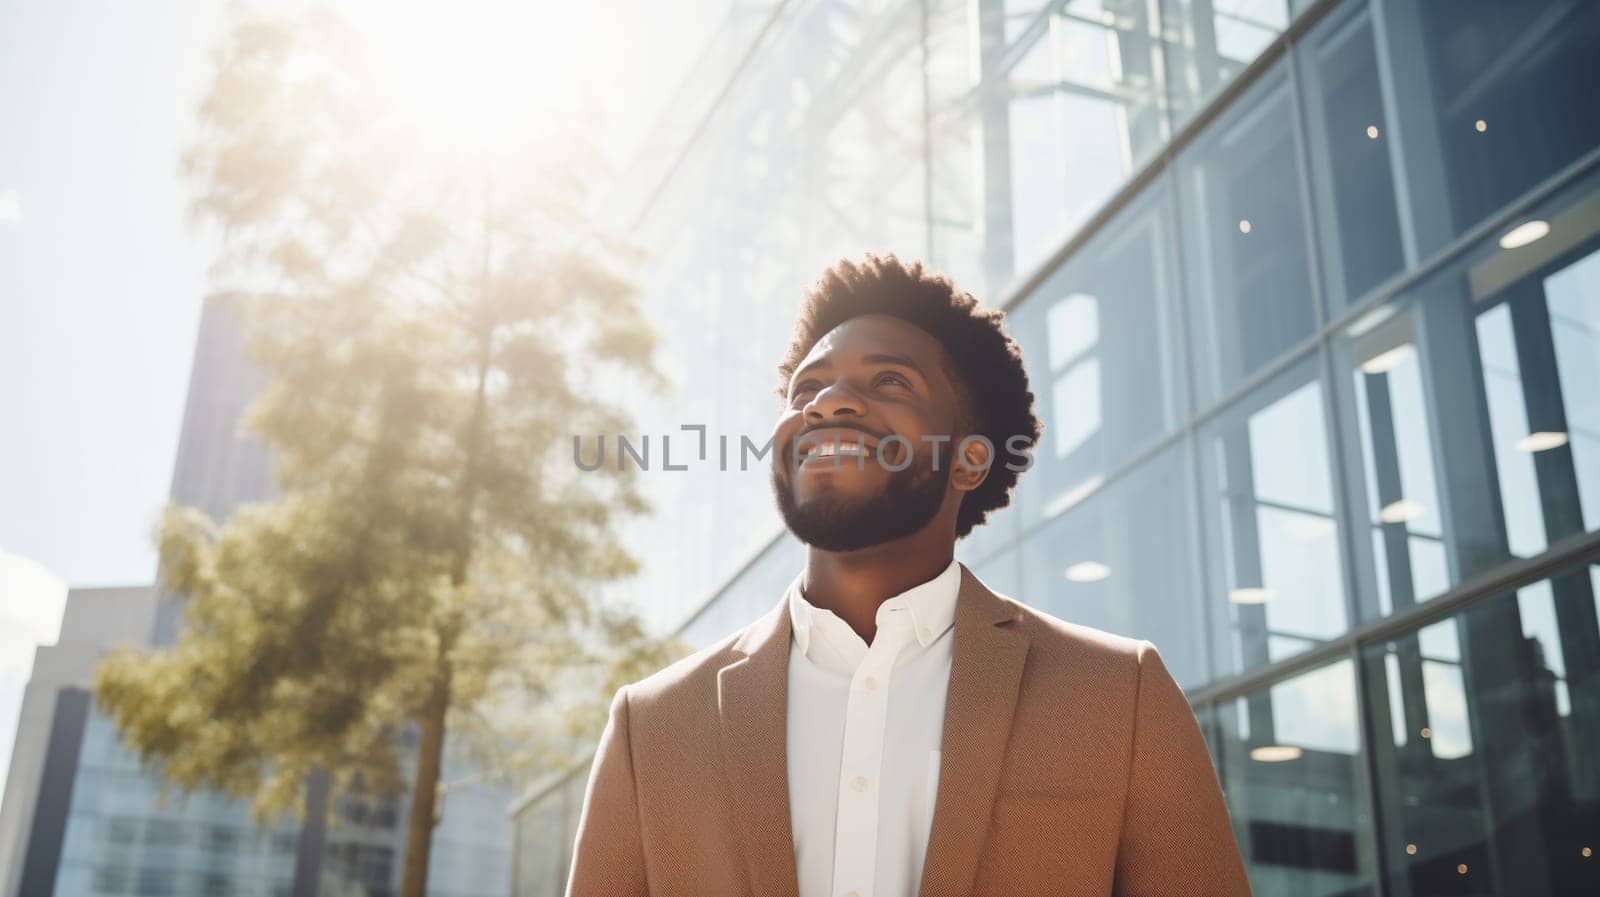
1072, 765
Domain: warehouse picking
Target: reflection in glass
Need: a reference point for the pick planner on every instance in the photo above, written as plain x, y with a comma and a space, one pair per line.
1540, 356
1209, 42
1124, 561
1487, 728
1100, 344
1401, 497
1292, 770
1276, 587
1349, 144
1245, 239
1468, 406
1493, 98
812, 153
1083, 112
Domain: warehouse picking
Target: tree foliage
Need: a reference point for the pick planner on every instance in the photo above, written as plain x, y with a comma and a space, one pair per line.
433, 322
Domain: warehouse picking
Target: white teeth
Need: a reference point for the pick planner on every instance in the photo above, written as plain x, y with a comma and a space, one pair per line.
830, 449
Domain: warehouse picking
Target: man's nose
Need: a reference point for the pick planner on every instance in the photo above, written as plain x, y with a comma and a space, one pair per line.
837, 398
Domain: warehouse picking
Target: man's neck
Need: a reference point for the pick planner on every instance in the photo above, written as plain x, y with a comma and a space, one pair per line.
853, 584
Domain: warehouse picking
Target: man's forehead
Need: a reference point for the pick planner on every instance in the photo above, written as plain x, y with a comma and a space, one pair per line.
869, 334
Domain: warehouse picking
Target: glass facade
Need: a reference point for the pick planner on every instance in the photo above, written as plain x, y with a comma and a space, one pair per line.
124, 838
1309, 295
121, 839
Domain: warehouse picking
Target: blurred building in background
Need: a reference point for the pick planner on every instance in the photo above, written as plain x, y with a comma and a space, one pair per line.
89, 821
55, 706
1310, 299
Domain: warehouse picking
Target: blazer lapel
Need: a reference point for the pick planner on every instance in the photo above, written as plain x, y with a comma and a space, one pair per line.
752, 702
985, 676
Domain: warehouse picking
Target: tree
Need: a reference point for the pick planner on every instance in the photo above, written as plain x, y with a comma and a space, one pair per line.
434, 322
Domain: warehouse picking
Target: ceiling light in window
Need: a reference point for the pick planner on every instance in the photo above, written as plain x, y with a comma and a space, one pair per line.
1401, 511
1244, 225
1481, 125
1088, 571
1372, 132
1386, 361
1542, 441
1524, 233
1251, 595
1275, 753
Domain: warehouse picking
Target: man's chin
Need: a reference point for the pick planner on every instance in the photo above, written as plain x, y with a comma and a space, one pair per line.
830, 516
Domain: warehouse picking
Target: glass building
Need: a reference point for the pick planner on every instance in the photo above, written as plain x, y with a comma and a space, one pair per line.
1309, 294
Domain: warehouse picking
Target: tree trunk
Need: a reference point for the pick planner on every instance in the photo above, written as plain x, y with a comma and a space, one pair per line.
425, 791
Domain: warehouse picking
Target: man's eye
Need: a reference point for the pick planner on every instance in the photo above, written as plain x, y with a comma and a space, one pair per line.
892, 379
803, 389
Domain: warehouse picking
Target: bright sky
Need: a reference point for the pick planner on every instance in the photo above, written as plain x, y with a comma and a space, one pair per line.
100, 280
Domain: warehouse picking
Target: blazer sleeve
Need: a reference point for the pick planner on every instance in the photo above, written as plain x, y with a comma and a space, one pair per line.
608, 857
1176, 836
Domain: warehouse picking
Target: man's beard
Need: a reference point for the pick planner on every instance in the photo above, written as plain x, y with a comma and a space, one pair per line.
834, 523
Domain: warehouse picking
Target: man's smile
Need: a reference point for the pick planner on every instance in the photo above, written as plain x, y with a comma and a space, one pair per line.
832, 446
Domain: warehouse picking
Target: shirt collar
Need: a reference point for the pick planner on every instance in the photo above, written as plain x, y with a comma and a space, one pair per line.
932, 606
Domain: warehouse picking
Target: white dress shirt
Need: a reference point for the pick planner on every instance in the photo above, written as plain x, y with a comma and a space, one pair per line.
864, 726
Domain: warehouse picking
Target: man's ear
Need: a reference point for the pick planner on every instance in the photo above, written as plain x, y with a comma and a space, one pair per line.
974, 456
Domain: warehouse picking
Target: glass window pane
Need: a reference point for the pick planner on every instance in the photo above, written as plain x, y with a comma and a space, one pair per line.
752, 593
1469, 414
1100, 344
1125, 561
1001, 574
1492, 99
1390, 403
1349, 146
1294, 777
1244, 239
1487, 726
1083, 111
1209, 42
1272, 543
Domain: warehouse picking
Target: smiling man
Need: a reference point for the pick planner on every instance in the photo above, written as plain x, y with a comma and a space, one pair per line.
892, 727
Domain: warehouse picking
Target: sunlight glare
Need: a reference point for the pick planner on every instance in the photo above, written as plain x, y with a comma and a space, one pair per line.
479, 75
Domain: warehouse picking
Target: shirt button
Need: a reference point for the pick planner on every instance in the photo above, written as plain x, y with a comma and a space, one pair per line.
870, 683
852, 894
859, 783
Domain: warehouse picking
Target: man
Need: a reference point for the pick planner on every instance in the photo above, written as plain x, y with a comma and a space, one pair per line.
892, 727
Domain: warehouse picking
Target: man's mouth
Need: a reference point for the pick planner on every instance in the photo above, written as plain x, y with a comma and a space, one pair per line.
835, 448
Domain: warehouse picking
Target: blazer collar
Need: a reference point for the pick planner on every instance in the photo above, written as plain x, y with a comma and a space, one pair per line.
985, 676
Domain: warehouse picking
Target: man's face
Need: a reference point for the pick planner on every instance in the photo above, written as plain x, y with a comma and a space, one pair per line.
867, 380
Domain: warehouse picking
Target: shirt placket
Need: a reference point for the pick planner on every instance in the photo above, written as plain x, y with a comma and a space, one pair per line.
861, 762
